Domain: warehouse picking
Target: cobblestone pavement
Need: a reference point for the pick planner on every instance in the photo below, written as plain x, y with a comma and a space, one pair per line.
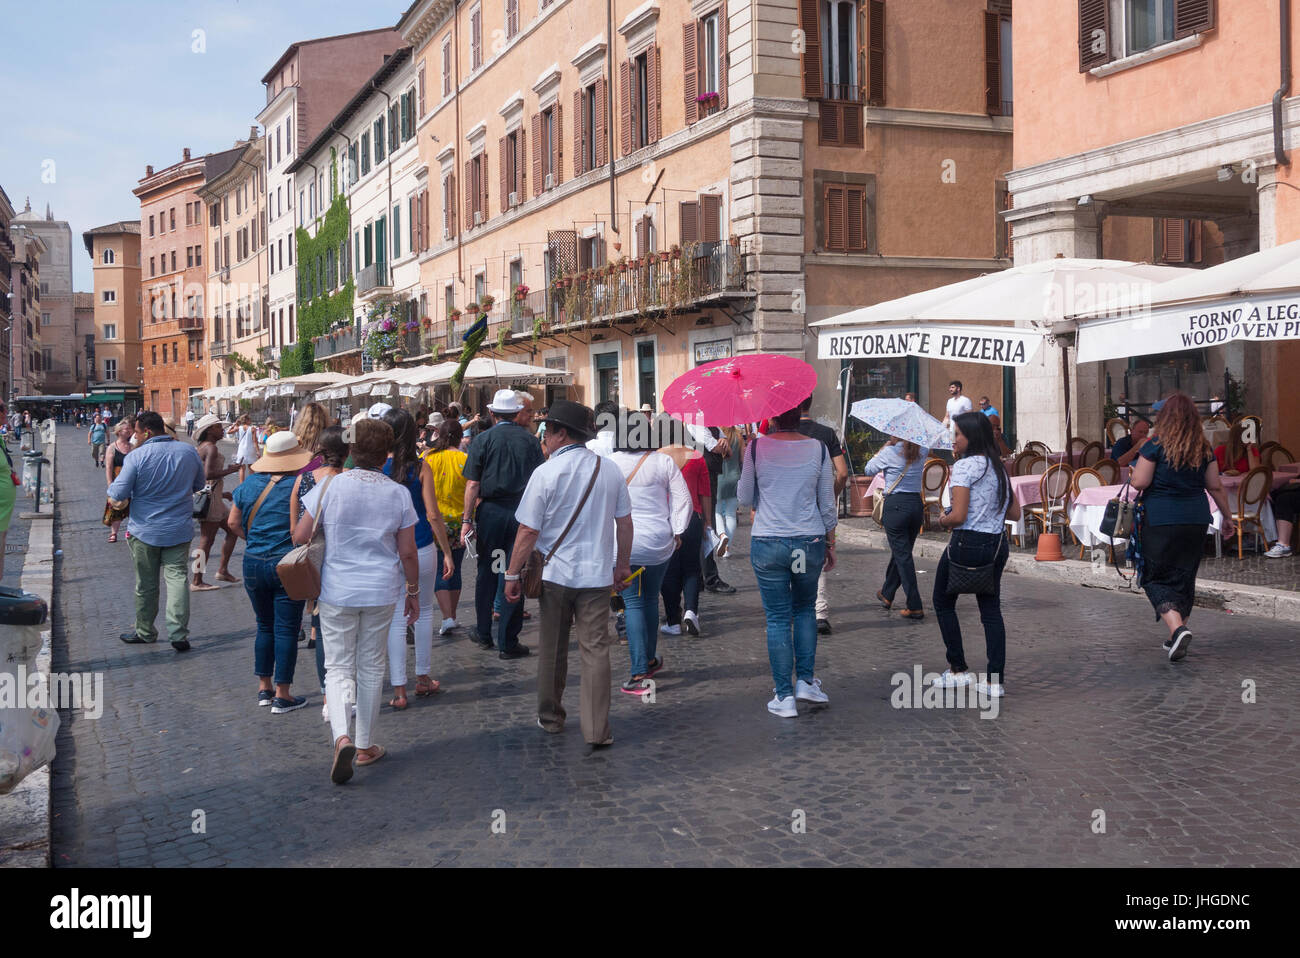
1095, 719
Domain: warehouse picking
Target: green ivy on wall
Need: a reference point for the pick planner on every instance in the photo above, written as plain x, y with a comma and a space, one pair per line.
317, 316
256, 370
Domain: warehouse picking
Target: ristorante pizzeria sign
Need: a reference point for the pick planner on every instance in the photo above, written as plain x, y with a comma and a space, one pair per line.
992, 345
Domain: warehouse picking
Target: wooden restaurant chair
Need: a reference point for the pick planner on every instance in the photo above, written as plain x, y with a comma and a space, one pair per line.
1021, 465
1265, 450
1083, 479
934, 477
1092, 454
1277, 456
1251, 496
1077, 447
1108, 469
1054, 495
1041, 448
1116, 429
1036, 466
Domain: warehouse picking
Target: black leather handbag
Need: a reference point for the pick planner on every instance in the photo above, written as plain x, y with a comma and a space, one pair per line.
973, 579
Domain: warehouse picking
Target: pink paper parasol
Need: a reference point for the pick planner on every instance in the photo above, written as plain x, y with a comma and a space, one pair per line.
741, 389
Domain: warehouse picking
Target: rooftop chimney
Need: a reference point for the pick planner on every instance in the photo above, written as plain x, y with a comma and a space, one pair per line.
185, 153
148, 171
252, 132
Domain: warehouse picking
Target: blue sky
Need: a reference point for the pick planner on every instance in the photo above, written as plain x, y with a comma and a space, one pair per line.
93, 92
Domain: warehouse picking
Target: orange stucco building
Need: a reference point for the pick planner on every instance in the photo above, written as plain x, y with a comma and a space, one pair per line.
702, 179
172, 235
1148, 131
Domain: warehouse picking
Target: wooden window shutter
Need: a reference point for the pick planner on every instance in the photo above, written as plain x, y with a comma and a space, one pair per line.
602, 134
690, 221
992, 64
559, 143
424, 219
1094, 34
876, 52
579, 128
483, 183
810, 60
1174, 241
476, 38
451, 203
851, 124
625, 106
691, 67
521, 163
512, 17
833, 211
1193, 16
828, 125
722, 57
642, 236
710, 218
1198, 240
537, 155
654, 109
505, 186
855, 233
413, 220
419, 102
470, 193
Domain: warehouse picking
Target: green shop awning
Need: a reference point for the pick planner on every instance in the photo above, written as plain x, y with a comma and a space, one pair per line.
96, 398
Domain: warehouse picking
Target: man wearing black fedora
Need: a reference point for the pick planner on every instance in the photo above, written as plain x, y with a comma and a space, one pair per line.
576, 511
498, 466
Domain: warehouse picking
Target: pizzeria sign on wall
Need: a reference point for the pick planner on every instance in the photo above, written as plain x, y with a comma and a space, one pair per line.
991, 345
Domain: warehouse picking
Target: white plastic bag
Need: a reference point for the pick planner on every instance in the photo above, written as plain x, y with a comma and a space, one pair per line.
26, 743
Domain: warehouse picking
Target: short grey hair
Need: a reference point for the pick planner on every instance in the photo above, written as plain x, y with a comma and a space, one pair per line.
524, 397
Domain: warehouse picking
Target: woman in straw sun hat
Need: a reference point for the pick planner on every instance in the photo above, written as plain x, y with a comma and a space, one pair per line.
261, 517
208, 431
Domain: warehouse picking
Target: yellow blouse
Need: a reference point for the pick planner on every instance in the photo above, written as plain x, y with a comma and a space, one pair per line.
448, 468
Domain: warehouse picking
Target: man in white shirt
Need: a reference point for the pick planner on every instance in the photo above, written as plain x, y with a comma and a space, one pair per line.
957, 403
591, 556
607, 425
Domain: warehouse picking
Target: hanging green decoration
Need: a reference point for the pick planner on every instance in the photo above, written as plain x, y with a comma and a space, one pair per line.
472, 339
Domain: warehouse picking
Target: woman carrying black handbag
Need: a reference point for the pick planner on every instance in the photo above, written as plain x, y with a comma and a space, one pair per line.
977, 552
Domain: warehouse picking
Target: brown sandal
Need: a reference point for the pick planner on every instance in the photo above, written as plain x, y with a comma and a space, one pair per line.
399, 698
426, 686
344, 754
364, 757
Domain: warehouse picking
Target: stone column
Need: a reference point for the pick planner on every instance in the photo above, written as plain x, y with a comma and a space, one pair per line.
1043, 233
767, 215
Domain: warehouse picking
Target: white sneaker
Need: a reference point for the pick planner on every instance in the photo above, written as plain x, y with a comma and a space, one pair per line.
325, 712
1279, 551
783, 707
447, 626
810, 691
670, 629
690, 622
724, 543
949, 680
991, 689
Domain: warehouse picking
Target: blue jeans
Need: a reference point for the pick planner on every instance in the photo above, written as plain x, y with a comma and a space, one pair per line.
278, 620
973, 549
641, 602
787, 570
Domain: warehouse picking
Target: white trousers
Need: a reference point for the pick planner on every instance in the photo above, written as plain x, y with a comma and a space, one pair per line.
423, 625
823, 610
354, 653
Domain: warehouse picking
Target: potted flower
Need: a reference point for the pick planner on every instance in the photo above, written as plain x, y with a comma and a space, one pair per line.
471, 308
454, 315
622, 264
521, 292
428, 323
707, 99
675, 252
485, 304
664, 256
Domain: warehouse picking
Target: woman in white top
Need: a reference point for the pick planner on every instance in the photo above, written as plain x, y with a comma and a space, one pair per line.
246, 451
902, 464
368, 523
981, 503
661, 510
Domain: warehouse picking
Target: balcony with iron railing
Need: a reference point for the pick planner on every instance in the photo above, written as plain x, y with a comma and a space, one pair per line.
219, 348
190, 324
336, 343
373, 280
270, 354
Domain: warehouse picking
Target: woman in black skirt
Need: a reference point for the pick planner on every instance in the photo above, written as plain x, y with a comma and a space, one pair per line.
1176, 469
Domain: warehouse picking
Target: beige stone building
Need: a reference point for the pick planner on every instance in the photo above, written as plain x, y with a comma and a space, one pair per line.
234, 195
645, 187
114, 251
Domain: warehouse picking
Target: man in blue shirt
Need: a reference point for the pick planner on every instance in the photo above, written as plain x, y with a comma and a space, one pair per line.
159, 478
987, 408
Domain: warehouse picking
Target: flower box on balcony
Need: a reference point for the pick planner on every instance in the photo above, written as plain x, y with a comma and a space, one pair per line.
454, 315
472, 309
486, 303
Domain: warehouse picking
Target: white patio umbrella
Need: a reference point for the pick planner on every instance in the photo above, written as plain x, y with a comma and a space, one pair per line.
1255, 298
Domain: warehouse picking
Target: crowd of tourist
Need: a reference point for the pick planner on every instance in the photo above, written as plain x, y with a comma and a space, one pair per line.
615, 512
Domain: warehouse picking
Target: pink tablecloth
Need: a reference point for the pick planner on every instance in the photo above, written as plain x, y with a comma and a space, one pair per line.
1291, 468
1232, 483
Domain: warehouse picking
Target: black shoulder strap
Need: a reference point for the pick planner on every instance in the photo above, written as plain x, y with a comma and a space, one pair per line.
574, 518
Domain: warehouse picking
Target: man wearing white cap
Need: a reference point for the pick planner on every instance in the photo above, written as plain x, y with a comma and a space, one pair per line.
498, 466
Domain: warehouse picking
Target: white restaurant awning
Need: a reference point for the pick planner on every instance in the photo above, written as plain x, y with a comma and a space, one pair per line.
975, 320
1252, 299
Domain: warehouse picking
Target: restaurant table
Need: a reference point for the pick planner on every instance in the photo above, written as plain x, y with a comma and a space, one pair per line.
1089, 508
1289, 468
